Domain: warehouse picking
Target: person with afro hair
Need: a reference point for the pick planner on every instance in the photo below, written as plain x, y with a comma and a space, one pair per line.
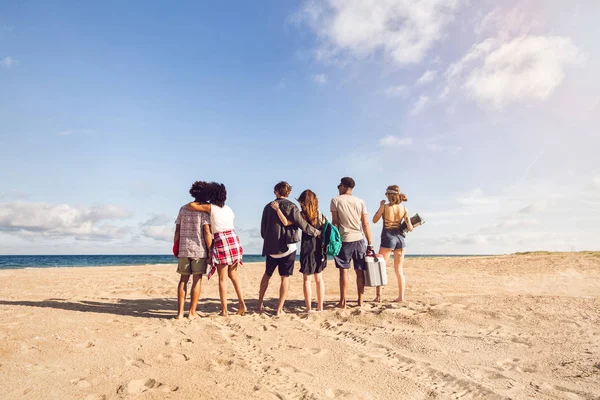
227, 249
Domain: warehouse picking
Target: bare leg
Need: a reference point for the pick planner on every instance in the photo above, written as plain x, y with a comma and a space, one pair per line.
181, 295
307, 292
343, 287
196, 289
360, 285
238, 288
320, 290
399, 269
386, 255
283, 289
222, 288
264, 284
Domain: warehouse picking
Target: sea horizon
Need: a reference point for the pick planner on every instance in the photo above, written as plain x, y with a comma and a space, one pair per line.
16, 261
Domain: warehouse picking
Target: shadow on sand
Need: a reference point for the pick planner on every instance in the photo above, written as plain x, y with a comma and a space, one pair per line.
154, 308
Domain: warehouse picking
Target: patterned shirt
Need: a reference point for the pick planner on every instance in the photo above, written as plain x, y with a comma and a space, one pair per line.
191, 233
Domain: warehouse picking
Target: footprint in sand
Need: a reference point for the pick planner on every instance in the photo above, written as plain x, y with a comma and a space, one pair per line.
176, 357
138, 386
81, 383
95, 396
315, 352
140, 363
86, 345
220, 365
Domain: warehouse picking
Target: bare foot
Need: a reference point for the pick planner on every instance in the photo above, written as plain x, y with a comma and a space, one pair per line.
179, 317
224, 314
398, 300
341, 305
377, 299
242, 310
259, 308
280, 313
192, 316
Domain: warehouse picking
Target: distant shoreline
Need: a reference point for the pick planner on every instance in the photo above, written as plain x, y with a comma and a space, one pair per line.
90, 261
8, 262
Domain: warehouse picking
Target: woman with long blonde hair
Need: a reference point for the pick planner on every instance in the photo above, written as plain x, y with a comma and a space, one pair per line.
392, 237
312, 259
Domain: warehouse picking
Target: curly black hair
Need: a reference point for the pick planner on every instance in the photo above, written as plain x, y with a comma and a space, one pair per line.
217, 194
200, 191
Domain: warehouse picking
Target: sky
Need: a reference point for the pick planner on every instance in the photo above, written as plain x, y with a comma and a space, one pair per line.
485, 113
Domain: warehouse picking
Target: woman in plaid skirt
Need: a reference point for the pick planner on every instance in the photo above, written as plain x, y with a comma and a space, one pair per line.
226, 250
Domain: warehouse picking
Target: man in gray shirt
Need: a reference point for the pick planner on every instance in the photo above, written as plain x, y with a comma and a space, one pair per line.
349, 215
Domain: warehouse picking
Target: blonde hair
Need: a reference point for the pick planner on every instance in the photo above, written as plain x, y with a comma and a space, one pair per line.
394, 195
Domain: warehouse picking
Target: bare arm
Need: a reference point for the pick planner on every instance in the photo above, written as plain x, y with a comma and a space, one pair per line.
366, 228
208, 238
177, 230
379, 212
335, 220
193, 206
409, 224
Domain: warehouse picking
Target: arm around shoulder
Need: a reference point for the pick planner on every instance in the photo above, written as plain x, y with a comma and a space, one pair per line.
193, 206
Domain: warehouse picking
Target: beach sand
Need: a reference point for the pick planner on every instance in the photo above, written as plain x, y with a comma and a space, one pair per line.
518, 326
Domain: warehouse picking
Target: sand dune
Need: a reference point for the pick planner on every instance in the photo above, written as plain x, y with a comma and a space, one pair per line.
520, 326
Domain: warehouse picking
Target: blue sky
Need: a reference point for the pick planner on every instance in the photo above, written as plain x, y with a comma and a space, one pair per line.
486, 116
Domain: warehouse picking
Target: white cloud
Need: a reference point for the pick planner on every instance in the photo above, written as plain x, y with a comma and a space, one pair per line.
70, 132
426, 78
162, 233
404, 30
396, 91
519, 70
596, 181
159, 227
536, 207
475, 197
321, 79
509, 224
62, 220
395, 141
516, 21
8, 62
419, 105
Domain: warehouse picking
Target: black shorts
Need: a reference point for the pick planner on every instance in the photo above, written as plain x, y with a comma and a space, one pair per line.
352, 251
285, 265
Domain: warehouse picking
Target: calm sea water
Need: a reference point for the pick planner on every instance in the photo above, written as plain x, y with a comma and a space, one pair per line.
16, 262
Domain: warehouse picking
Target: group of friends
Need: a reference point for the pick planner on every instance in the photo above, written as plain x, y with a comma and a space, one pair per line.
205, 241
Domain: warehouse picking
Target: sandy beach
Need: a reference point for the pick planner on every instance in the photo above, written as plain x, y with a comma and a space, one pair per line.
517, 326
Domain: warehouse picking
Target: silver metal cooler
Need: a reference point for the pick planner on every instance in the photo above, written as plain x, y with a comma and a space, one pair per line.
376, 273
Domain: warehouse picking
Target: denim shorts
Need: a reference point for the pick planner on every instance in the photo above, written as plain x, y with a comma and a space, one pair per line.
392, 239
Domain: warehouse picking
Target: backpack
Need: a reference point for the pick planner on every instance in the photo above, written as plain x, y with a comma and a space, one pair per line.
330, 239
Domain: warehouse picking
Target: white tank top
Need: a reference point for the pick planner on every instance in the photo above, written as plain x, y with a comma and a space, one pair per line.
221, 218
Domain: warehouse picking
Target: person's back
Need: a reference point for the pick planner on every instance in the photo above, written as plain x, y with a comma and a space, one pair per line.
393, 215
350, 210
221, 218
349, 215
191, 234
276, 236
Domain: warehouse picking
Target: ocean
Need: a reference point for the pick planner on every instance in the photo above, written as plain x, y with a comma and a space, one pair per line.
50, 261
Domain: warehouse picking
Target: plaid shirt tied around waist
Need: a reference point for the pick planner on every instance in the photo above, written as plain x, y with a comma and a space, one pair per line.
226, 250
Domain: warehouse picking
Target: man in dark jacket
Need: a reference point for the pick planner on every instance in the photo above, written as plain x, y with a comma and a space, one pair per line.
279, 245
